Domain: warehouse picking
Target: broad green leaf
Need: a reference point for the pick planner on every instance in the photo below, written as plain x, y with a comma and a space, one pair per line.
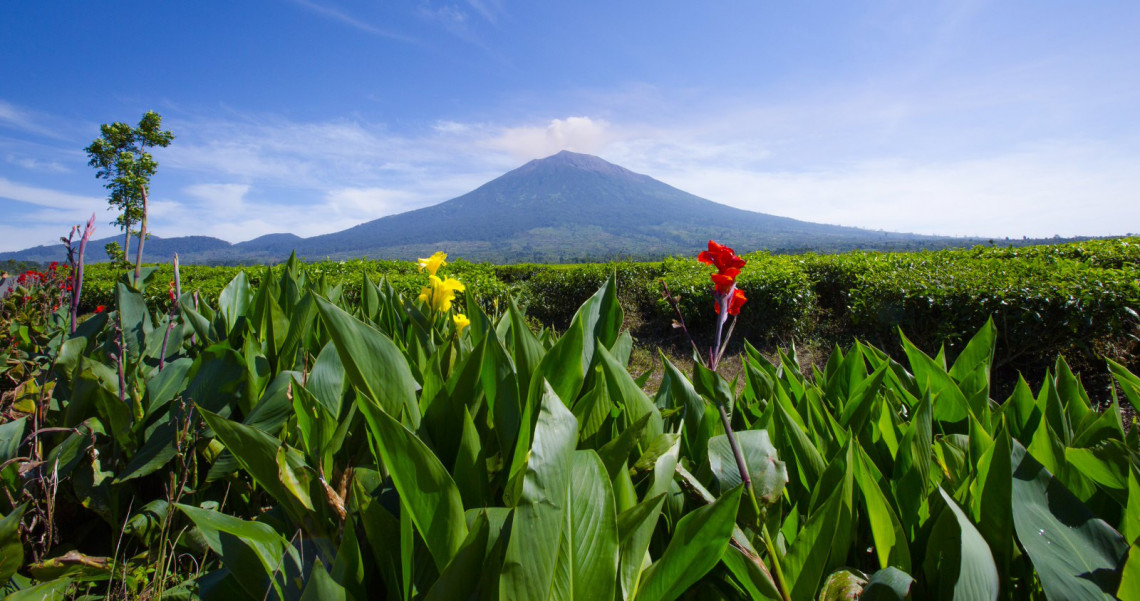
959, 564
913, 463
712, 386
316, 424
862, 400
615, 453
977, 357
348, 568
155, 453
807, 460
1130, 524
1021, 411
471, 466
1076, 555
262, 456
461, 577
11, 545
373, 363
823, 541
888, 584
635, 529
273, 407
950, 405
218, 380
425, 487
52, 590
769, 475
532, 553
622, 389
1129, 382
588, 556
886, 529
134, 320
677, 391
566, 364
254, 553
750, 572
698, 542
166, 384
1106, 463
295, 481
1078, 408
635, 542
234, 301
1130, 576
526, 349
326, 380
321, 586
991, 504
300, 323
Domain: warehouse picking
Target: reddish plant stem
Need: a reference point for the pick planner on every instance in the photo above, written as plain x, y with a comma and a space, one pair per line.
142, 237
77, 271
680, 321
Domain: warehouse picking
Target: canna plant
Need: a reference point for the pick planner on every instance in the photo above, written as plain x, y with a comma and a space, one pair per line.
279, 441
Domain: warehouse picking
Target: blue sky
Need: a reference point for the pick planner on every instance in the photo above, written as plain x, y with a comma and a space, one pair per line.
1013, 118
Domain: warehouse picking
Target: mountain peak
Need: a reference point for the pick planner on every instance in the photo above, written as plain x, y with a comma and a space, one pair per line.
575, 160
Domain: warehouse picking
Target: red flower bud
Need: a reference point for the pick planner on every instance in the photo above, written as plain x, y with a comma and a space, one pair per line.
100, 309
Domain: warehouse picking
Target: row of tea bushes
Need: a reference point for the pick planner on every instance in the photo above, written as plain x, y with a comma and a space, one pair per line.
1078, 299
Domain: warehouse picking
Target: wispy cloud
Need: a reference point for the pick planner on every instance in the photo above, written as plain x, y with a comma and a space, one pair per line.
27, 121
340, 16
46, 197
32, 164
490, 10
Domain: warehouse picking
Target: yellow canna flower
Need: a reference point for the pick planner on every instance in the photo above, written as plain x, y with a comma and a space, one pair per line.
461, 322
439, 293
433, 263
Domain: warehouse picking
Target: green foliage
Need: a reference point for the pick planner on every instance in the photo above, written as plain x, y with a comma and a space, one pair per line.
300, 436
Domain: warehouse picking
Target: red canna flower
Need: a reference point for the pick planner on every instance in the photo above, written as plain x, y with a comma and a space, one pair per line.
721, 257
100, 309
735, 303
724, 282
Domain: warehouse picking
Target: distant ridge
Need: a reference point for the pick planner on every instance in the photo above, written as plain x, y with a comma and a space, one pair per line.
568, 207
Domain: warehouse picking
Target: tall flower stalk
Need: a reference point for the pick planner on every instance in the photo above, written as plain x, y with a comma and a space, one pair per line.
728, 300
76, 260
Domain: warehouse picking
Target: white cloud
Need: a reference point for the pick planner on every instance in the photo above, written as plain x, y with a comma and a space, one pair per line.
578, 134
219, 197
37, 165
46, 197
365, 204
1039, 192
335, 14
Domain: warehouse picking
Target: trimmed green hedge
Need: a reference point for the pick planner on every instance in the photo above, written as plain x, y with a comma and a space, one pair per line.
1074, 298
